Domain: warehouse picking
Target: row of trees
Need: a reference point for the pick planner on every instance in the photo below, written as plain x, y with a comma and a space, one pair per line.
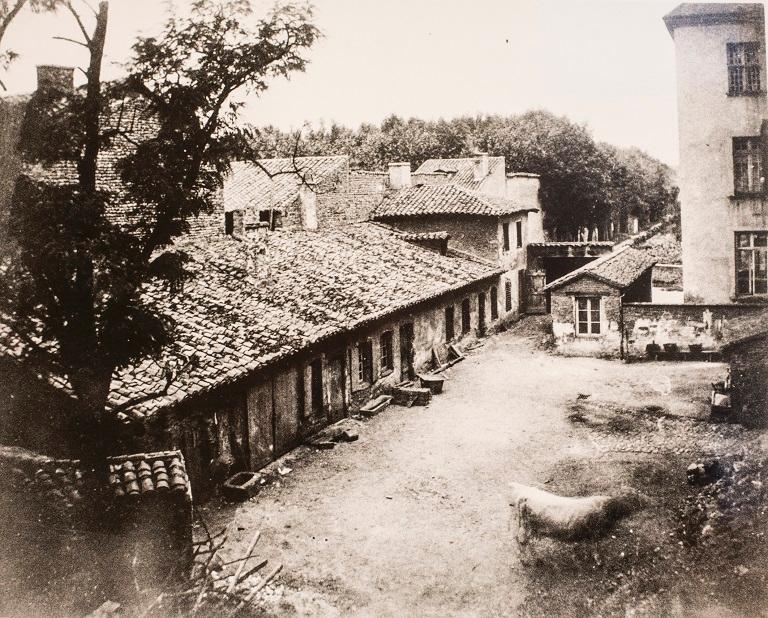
585, 184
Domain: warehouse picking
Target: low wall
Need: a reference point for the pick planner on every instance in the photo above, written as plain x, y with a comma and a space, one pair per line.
681, 324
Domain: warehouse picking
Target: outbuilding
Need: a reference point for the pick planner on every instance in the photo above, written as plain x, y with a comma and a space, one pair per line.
586, 304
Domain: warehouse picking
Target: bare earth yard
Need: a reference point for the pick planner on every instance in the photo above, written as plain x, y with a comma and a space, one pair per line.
413, 519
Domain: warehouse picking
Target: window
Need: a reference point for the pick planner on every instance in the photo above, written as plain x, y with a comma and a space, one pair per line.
747, 165
270, 218
316, 383
300, 395
229, 223
519, 230
465, 317
365, 361
743, 68
508, 295
385, 352
751, 263
449, 318
505, 229
494, 304
588, 315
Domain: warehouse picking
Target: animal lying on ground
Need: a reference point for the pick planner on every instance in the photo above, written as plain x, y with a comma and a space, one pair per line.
543, 514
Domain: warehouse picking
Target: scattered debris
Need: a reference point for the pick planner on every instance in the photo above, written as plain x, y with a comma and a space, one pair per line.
284, 470
242, 486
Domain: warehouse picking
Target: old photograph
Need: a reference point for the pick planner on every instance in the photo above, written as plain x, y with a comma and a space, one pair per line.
383, 308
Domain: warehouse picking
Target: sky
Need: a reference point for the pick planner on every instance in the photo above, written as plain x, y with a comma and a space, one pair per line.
606, 63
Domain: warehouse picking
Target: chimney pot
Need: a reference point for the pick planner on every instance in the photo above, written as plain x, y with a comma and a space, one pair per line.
53, 77
400, 175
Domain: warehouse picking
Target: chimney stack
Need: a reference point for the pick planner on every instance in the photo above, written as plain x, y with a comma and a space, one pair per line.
53, 77
481, 165
308, 201
400, 175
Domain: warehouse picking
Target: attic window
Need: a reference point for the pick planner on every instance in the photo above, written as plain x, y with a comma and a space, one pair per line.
271, 218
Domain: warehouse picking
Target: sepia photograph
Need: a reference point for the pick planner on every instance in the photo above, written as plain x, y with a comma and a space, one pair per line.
383, 308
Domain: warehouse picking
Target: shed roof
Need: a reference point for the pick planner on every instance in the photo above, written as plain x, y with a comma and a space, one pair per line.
444, 199
618, 269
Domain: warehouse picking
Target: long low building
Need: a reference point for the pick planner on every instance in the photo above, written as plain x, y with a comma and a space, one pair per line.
284, 332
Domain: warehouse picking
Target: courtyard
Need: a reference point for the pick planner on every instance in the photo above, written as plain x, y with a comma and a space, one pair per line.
414, 517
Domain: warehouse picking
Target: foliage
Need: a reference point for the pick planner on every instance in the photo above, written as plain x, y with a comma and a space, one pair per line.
75, 278
584, 183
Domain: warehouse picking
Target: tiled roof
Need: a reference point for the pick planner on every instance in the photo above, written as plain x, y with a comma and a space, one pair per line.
619, 269
250, 186
744, 328
60, 482
443, 199
249, 303
462, 170
424, 235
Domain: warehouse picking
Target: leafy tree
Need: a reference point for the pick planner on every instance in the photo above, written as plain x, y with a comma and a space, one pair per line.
583, 184
74, 278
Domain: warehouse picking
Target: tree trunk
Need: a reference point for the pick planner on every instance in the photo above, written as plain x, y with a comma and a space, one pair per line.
87, 166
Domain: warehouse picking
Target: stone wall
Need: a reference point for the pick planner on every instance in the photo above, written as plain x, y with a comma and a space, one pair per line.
476, 235
683, 324
749, 381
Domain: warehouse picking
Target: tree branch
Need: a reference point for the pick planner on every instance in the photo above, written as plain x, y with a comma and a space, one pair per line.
63, 38
79, 21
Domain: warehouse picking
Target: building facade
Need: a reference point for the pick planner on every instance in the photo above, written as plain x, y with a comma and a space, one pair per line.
721, 92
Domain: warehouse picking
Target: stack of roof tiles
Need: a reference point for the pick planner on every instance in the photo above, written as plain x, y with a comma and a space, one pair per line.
619, 269
142, 474
442, 200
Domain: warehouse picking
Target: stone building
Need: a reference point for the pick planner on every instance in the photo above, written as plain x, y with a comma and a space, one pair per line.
482, 221
283, 332
587, 302
721, 93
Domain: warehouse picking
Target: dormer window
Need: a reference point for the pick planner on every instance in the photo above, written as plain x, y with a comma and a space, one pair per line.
743, 68
747, 166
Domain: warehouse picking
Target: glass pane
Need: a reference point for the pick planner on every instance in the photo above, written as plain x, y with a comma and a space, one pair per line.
583, 316
760, 239
595, 315
742, 240
582, 302
761, 286
583, 327
596, 328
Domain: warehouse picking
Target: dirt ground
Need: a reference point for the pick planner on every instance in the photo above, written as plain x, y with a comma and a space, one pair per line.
414, 517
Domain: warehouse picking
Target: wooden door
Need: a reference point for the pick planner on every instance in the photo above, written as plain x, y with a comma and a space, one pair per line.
406, 352
261, 432
337, 408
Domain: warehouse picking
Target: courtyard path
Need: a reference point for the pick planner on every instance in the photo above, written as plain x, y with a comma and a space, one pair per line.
413, 519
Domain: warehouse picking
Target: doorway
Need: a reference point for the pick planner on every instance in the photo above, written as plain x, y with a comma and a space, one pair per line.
406, 352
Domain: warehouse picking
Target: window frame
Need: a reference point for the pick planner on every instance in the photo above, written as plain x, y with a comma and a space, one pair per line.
748, 161
365, 362
386, 352
743, 68
753, 249
505, 235
590, 312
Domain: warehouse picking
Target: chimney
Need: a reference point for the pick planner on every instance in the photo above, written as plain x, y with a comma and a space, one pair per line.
481, 164
53, 77
308, 201
400, 175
